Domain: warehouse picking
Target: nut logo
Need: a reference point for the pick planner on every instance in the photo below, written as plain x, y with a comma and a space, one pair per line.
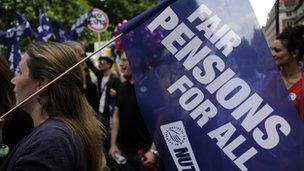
175, 136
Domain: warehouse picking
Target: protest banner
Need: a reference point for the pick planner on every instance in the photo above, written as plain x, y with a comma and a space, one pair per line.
209, 90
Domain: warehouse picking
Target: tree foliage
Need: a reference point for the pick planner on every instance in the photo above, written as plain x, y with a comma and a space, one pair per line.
67, 11
118, 10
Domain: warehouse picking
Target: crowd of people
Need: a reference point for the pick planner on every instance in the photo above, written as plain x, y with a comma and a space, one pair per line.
75, 124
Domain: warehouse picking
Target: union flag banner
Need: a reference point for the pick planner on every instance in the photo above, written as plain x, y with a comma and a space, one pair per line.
209, 90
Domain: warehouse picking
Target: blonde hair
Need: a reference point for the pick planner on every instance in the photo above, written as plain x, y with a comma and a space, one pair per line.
64, 99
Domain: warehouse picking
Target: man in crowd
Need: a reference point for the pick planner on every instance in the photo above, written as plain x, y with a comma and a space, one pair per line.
129, 133
108, 84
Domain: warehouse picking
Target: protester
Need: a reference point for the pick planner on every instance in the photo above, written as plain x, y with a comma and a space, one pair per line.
129, 134
288, 50
89, 87
17, 125
66, 136
108, 84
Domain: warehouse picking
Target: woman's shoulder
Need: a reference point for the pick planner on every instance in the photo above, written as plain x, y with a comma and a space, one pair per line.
50, 135
52, 129
50, 145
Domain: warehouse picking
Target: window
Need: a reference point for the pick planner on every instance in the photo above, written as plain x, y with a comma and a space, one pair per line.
288, 13
289, 23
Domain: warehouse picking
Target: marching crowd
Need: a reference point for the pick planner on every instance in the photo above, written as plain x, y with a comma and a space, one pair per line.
76, 124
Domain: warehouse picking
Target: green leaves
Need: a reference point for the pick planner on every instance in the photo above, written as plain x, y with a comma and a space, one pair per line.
67, 11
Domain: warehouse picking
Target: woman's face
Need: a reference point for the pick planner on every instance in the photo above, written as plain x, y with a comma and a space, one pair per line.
24, 85
280, 53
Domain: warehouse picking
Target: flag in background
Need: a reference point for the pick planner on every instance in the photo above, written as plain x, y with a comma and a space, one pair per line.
60, 35
78, 27
14, 55
11, 38
47, 28
44, 29
24, 28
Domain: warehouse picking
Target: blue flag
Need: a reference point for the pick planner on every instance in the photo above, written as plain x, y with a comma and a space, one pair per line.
45, 30
210, 92
59, 32
78, 27
23, 28
14, 56
11, 39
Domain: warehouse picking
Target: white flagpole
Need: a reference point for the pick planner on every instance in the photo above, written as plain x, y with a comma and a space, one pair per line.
61, 75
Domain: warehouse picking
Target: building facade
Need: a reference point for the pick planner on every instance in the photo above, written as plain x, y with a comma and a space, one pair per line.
291, 12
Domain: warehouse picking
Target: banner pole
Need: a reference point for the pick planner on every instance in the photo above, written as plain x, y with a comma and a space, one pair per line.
58, 77
98, 37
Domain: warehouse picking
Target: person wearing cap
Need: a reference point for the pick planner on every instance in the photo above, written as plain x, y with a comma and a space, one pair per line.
107, 84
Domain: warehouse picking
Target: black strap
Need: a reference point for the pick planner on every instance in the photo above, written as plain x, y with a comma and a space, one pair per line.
103, 88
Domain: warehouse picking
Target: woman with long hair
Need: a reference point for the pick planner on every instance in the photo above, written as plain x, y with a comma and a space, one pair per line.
67, 136
288, 51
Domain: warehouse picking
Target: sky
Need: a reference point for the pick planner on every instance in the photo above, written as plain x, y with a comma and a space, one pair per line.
261, 9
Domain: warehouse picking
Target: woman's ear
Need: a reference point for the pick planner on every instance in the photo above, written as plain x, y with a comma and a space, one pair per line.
41, 83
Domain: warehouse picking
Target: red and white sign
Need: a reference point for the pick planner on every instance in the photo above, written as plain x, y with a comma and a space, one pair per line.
99, 21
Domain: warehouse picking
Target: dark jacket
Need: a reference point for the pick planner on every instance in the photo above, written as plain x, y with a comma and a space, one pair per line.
50, 146
114, 82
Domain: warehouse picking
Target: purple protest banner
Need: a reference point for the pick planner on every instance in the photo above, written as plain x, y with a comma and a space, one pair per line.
210, 92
